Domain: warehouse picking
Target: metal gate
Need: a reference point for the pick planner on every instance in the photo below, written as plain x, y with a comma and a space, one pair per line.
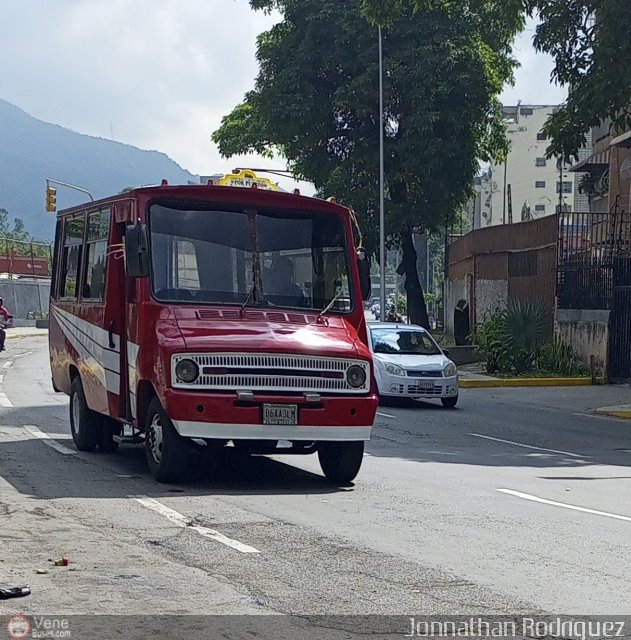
620, 324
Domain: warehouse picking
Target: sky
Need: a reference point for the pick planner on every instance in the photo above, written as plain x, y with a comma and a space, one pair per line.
160, 74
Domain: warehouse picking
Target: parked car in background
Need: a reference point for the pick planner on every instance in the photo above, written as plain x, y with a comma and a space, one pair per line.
408, 363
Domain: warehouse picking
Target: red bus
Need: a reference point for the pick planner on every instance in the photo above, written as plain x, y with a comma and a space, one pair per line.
200, 317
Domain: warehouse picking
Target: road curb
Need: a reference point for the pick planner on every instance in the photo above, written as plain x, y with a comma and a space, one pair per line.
25, 335
622, 411
526, 382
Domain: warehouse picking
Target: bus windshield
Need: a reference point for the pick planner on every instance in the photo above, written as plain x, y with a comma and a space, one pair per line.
264, 258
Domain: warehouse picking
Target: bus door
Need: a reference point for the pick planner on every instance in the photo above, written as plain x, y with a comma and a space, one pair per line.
89, 309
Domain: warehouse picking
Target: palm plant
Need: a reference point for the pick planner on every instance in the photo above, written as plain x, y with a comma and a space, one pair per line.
527, 328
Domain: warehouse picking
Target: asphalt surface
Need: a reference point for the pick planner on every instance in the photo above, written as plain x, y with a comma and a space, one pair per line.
516, 502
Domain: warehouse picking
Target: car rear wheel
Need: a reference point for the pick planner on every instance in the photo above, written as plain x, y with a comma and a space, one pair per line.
86, 425
341, 461
449, 403
168, 453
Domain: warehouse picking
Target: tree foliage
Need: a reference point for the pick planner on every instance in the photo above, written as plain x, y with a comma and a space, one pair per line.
589, 41
316, 102
15, 238
590, 44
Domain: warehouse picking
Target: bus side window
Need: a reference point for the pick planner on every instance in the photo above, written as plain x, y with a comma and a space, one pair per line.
95, 265
54, 273
71, 257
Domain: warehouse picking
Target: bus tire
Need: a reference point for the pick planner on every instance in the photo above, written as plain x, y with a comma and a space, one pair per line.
167, 452
341, 461
86, 425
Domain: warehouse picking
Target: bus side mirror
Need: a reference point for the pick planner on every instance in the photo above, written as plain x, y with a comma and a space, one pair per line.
136, 251
363, 267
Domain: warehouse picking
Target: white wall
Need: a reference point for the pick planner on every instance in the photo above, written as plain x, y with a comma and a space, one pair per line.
588, 333
490, 295
24, 295
455, 290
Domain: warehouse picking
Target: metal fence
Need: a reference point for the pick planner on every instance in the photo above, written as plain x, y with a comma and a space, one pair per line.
25, 258
589, 244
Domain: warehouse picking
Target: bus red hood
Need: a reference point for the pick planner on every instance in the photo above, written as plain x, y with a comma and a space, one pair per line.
330, 336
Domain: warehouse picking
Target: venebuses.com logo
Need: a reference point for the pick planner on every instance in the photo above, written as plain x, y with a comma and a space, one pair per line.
18, 627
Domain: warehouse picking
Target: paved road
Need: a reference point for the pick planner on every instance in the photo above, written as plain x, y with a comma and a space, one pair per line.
517, 502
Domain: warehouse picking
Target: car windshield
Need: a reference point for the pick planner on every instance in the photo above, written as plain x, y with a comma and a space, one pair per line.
403, 342
288, 259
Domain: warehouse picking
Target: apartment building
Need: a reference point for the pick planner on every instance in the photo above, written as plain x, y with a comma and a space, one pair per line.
528, 185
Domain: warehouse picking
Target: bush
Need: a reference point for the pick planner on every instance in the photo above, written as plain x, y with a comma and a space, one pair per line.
37, 315
489, 343
510, 340
526, 328
559, 358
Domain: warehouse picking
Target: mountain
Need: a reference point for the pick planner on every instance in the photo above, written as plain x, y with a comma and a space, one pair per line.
32, 150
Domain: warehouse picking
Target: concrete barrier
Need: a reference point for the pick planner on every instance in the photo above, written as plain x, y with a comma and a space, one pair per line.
463, 355
24, 295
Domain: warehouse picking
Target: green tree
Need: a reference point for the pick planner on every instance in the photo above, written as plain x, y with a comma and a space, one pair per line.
17, 239
589, 42
315, 101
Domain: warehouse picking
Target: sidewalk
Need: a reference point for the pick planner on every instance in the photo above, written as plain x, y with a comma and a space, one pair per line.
25, 332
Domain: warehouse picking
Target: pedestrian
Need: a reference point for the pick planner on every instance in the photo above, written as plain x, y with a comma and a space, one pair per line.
5, 321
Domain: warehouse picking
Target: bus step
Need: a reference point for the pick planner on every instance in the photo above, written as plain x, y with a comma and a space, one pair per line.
135, 439
129, 436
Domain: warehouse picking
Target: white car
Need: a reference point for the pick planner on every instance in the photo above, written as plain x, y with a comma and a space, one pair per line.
409, 364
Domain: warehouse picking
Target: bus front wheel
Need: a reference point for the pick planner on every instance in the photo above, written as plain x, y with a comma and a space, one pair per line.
86, 425
167, 451
340, 461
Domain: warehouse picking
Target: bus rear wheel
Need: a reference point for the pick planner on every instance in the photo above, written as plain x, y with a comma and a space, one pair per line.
340, 461
86, 425
167, 451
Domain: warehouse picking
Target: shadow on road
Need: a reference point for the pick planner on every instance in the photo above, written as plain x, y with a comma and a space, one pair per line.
36, 469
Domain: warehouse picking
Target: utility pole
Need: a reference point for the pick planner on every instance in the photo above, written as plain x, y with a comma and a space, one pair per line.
560, 186
382, 221
505, 194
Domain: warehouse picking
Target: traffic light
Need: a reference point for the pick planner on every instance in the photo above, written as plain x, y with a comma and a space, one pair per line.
51, 199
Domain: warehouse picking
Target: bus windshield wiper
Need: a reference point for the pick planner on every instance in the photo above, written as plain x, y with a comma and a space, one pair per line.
246, 302
336, 297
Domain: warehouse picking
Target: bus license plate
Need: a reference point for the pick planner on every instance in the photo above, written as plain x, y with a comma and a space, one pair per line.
280, 414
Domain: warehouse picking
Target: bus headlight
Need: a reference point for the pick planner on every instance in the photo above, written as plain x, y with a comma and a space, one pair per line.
356, 376
187, 371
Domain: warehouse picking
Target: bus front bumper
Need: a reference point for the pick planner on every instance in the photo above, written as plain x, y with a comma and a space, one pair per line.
223, 416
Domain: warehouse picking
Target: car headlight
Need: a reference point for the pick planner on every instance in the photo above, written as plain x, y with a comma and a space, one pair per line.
187, 371
356, 376
394, 369
450, 370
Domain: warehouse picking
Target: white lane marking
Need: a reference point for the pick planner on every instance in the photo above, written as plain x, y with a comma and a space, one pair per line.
527, 496
1, 378
4, 401
7, 364
182, 521
47, 440
527, 446
386, 415
21, 355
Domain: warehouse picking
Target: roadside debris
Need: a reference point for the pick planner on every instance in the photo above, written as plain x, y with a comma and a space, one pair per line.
14, 592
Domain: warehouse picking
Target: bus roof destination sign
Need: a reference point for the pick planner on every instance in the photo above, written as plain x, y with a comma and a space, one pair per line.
246, 179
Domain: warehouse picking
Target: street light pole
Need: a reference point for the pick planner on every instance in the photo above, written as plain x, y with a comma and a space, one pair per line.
382, 222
